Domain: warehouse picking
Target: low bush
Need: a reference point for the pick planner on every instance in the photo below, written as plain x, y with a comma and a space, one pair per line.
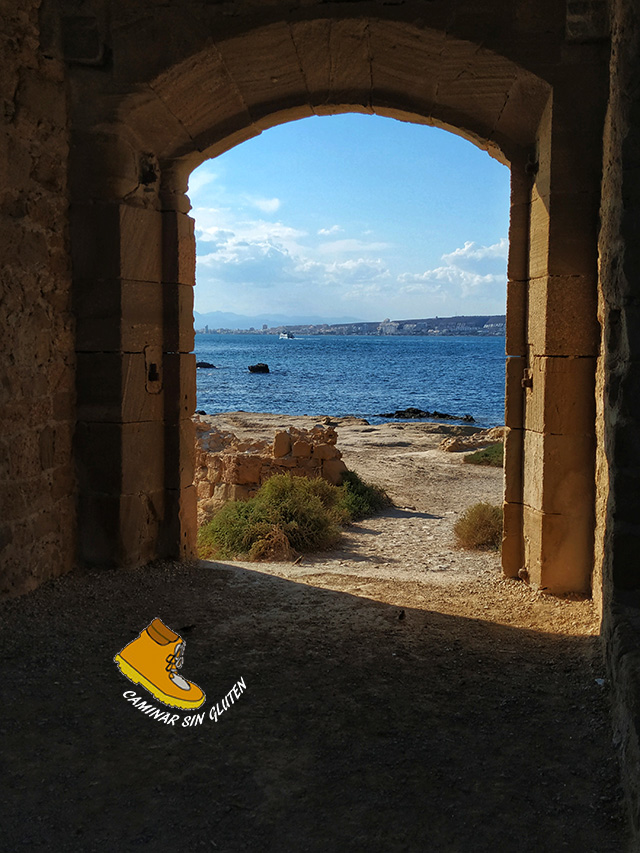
492, 455
480, 526
362, 499
288, 515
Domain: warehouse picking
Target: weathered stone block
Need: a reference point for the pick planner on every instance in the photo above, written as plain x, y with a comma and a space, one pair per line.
558, 551
325, 451
177, 328
246, 470
177, 538
97, 307
142, 319
204, 490
270, 74
538, 235
332, 470
558, 473
286, 462
99, 529
281, 444
140, 244
113, 387
562, 397
563, 316
179, 385
301, 448
514, 392
141, 520
516, 325
111, 241
179, 453
104, 166
513, 459
179, 248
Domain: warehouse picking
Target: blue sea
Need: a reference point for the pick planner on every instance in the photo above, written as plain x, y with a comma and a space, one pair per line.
353, 375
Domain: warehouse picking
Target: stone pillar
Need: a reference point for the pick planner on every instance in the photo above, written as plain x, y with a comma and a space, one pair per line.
178, 279
117, 260
516, 351
134, 270
563, 337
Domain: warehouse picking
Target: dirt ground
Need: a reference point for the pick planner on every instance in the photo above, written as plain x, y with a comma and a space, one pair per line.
400, 694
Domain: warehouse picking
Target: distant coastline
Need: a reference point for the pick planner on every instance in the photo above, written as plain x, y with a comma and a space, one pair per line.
490, 325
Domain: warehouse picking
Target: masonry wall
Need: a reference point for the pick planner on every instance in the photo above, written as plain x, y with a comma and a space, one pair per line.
619, 388
618, 470
155, 87
37, 513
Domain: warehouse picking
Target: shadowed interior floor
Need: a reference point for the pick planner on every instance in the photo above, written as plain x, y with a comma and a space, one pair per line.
358, 730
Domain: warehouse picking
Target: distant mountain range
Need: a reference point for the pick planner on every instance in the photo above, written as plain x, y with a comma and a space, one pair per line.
228, 320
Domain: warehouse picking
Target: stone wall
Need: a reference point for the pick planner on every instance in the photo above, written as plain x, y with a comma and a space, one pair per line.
620, 307
228, 468
153, 89
37, 512
618, 398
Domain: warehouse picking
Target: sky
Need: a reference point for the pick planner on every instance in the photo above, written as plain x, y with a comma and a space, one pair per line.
351, 216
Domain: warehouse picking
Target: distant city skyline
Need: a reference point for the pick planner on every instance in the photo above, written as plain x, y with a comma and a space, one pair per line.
355, 216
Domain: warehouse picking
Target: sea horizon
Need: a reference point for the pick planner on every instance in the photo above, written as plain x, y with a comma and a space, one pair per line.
362, 376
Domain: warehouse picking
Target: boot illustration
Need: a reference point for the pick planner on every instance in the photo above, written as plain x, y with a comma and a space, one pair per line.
153, 660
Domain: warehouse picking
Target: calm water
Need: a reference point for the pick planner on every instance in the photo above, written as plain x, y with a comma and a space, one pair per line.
353, 375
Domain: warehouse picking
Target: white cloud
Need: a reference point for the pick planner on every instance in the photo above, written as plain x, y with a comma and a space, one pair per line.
266, 205
470, 271
351, 245
251, 264
200, 178
480, 259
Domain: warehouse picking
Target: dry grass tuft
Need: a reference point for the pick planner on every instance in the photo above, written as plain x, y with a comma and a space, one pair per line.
480, 526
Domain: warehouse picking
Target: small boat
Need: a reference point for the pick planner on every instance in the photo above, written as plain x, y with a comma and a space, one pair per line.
285, 336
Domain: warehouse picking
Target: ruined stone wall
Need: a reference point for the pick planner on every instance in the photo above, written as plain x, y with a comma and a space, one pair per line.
37, 510
228, 468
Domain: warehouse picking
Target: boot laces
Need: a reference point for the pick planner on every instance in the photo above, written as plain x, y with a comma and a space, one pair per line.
174, 661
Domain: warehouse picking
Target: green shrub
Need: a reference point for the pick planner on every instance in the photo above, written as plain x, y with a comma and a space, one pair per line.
480, 526
492, 455
362, 499
288, 515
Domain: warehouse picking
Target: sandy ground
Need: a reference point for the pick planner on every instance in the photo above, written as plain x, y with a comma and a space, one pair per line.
400, 694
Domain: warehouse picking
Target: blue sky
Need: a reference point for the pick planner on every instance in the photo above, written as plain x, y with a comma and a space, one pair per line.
351, 215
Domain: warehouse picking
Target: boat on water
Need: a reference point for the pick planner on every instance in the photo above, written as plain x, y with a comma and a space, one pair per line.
284, 336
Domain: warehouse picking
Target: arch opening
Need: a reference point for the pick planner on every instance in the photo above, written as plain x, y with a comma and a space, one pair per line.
195, 106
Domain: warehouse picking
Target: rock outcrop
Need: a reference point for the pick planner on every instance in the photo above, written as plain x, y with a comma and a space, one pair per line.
229, 468
412, 413
484, 438
260, 367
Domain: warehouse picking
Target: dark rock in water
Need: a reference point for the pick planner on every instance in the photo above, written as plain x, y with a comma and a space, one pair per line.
201, 412
204, 364
259, 368
413, 413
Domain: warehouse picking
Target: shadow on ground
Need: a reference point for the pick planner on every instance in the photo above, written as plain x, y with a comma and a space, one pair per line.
358, 731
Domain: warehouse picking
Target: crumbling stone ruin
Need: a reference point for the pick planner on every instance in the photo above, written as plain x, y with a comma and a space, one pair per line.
228, 468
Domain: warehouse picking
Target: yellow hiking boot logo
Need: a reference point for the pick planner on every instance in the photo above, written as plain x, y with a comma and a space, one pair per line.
153, 659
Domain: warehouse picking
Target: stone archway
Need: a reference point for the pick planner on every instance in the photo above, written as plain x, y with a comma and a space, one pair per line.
183, 90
